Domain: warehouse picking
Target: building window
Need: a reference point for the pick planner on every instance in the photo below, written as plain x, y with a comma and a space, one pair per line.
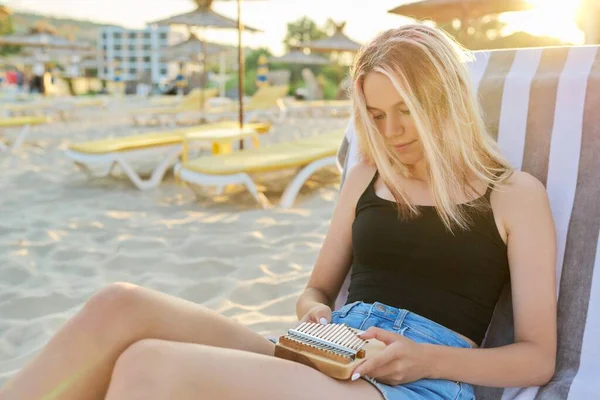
132, 59
163, 71
118, 59
117, 47
104, 35
146, 35
147, 59
147, 47
132, 71
117, 35
105, 71
163, 35
131, 47
132, 35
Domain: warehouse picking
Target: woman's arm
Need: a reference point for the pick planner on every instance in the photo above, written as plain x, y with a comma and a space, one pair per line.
335, 256
525, 212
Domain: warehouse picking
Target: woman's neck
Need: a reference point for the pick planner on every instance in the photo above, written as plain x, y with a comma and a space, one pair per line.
419, 171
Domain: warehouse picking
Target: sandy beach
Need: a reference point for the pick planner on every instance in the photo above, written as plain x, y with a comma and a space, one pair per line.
63, 236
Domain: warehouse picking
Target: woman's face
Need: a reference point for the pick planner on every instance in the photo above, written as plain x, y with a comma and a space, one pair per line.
392, 118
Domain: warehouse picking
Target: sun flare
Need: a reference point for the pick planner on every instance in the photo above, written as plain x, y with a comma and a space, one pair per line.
555, 18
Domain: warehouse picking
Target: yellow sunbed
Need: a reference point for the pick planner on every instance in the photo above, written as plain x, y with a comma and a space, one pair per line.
107, 153
311, 154
192, 102
25, 123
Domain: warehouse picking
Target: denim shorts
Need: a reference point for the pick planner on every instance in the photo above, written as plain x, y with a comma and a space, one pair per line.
361, 316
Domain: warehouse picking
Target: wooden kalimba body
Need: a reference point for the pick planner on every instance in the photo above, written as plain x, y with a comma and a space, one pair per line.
334, 349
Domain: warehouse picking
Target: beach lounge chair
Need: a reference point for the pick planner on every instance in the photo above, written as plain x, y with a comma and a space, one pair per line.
320, 108
266, 104
309, 154
24, 125
52, 107
168, 115
542, 106
107, 153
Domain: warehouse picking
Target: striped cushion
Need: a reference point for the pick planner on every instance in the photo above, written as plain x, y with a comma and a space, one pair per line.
543, 107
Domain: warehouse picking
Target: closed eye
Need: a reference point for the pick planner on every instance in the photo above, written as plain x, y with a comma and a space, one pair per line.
378, 116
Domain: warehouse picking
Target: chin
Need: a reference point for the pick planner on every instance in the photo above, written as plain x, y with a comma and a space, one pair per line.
410, 158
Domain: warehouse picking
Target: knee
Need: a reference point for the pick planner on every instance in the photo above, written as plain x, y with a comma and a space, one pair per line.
112, 307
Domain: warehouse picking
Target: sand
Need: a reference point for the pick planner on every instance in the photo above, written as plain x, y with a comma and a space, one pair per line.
63, 237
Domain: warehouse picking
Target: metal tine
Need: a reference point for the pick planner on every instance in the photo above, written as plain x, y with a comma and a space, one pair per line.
327, 332
322, 336
350, 339
320, 330
313, 327
301, 327
353, 340
360, 342
338, 334
335, 333
348, 336
356, 343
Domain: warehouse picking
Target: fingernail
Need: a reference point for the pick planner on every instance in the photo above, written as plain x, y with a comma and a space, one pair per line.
323, 321
355, 376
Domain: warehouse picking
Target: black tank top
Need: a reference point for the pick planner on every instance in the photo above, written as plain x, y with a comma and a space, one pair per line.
454, 279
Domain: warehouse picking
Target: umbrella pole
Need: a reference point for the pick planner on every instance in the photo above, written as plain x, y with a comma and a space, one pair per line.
240, 71
204, 75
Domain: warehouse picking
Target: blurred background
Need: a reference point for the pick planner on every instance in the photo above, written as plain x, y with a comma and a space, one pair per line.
167, 47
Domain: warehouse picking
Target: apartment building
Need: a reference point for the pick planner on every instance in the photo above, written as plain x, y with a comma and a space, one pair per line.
129, 54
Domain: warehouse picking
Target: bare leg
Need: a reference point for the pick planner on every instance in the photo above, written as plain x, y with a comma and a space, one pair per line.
161, 370
78, 361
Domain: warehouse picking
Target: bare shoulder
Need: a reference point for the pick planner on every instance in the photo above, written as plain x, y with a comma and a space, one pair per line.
521, 195
357, 180
359, 177
521, 187
525, 182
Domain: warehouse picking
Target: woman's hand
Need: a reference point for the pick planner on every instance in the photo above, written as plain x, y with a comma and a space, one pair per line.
320, 313
402, 360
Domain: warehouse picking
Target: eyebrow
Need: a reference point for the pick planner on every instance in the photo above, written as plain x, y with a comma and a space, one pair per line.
400, 103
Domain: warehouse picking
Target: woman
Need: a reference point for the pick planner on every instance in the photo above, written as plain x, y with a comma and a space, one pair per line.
433, 223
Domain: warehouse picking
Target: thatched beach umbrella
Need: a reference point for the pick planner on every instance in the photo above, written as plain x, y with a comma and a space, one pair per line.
190, 49
448, 10
204, 17
43, 41
298, 57
43, 35
336, 42
193, 50
4, 11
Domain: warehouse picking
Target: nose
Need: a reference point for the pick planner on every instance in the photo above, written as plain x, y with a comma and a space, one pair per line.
393, 126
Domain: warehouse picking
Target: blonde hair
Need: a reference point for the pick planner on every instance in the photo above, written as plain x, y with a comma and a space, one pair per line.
428, 70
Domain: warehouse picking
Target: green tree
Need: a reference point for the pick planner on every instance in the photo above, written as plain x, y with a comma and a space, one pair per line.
302, 30
7, 28
251, 59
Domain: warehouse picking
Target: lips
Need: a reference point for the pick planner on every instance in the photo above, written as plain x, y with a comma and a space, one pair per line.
402, 146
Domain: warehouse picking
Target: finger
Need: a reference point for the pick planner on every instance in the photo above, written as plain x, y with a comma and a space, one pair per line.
382, 335
307, 318
384, 371
373, 363
323, 316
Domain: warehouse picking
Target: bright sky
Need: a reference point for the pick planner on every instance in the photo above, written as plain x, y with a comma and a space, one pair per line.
364, 19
